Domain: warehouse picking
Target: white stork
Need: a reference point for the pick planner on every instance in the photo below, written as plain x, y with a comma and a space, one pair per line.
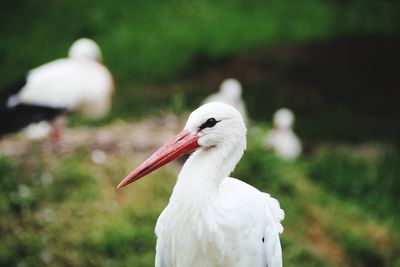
212, 219
230, 93
77, 83
282, 138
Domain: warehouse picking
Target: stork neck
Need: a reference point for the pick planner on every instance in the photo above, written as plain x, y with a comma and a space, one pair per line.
206, 168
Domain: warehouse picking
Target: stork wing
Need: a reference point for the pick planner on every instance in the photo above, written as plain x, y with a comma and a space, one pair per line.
65, 83
246, 221
273, 227
251, 204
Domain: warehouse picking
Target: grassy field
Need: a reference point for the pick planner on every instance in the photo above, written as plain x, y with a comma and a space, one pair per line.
154, 41
160, 51
62, 209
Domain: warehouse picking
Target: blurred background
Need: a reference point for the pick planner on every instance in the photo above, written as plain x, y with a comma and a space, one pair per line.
335, 64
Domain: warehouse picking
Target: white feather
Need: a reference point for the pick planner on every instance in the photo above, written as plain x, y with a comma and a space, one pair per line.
282, 138
78, 83
85, 48
212, 219
38, 130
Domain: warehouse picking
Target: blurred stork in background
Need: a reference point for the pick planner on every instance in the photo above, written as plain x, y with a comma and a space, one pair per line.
282, 138
230, 93
212, 219
78, 83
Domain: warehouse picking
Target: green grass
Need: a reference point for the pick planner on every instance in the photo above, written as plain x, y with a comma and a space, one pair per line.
158, 39
73, 216
373, 183
153, 48
146, 42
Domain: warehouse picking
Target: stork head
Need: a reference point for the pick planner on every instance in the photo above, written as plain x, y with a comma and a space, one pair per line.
85, 48
231, 88
213, 125
283, 118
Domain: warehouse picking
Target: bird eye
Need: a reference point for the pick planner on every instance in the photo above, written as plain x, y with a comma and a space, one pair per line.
209, 123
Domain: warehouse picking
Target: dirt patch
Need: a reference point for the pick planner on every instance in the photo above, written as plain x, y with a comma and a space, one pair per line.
325, 246
117, 138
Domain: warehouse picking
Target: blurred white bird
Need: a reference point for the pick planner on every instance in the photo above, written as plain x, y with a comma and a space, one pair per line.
212, 219
282, 138
230, 93
38, 130
77, 83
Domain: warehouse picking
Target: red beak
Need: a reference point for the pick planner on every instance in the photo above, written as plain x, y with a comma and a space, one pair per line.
183, 143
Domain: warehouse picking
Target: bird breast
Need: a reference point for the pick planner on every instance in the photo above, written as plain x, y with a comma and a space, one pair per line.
209, 233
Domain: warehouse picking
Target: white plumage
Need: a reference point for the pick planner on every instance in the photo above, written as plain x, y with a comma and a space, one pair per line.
38, 130
85, 48
212, 219
230, 93
79, 82
282, 138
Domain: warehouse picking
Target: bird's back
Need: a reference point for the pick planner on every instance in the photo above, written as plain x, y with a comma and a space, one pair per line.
65, 83
55, 88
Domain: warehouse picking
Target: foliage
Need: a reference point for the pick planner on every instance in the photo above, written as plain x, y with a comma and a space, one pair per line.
157, 40
150, 46
373, 183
